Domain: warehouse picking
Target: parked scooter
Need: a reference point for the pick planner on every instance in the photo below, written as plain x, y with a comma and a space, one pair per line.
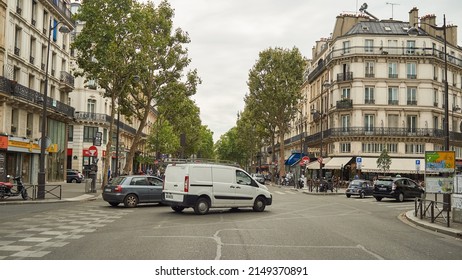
301, 182
6, 188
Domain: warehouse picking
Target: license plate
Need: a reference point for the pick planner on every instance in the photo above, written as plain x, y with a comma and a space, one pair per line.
174, 197
383, 189
107, 190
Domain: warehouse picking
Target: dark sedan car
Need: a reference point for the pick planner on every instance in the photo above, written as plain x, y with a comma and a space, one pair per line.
74, 176
398, 188
134, 189
361, 188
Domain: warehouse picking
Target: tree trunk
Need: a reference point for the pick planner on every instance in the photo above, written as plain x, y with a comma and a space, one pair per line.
282, 171
136, 142
107, 159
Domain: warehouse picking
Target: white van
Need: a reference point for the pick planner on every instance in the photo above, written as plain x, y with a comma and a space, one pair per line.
205, 186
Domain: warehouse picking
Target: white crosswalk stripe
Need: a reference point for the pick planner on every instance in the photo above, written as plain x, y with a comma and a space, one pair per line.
37, 236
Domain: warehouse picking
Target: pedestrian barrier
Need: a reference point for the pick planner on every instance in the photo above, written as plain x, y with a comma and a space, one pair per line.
53, 191
436, 210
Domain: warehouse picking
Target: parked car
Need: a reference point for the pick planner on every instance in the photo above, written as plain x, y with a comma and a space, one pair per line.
74, 176
132, 190
398, 188
260, 178
359, 187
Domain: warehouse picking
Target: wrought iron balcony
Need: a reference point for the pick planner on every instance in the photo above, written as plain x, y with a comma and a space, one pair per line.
346, 76
94, 117
62, 7
67, 81
345, 104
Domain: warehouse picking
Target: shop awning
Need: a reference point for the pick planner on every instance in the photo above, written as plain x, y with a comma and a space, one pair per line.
315, 164
398, 165
337, 162
293, 159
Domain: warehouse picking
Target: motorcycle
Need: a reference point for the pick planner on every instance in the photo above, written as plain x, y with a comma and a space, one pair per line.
301, 182
6, 188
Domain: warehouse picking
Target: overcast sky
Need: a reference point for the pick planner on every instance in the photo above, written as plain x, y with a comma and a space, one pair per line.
227, 36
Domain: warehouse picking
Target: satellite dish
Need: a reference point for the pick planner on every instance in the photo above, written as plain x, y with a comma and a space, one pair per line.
47, 142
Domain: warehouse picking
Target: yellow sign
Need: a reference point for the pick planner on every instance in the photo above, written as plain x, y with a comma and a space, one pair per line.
53, 148
440, 161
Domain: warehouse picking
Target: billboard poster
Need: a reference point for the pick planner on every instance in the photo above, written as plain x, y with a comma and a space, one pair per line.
440, 161
439, 184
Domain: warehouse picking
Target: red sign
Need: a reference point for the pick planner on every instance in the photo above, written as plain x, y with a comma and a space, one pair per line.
305, 160
320, 159
93, 151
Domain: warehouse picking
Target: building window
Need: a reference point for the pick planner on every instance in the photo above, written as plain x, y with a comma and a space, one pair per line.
412, 124
392, 70
369, 69
435, 123
346, 47
17, 40
411, 70
346, 93
345, 123
369, 95
369, 45
411, 96
369, 123
435, 73
70, 136
435, 97
410, 47
415, 148
393, 95
392, 147
104, 135
91, 105
89, 133
345, 147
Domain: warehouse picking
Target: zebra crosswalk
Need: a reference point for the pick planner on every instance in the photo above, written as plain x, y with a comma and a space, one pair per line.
36, 236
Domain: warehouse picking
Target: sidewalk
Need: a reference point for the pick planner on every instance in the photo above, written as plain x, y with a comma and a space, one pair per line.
69, 192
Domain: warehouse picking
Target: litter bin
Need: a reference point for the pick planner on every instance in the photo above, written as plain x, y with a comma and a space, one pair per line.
88, 185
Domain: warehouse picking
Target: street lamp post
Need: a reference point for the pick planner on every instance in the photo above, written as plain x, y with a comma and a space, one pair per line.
43, 141
455, 108
414, 31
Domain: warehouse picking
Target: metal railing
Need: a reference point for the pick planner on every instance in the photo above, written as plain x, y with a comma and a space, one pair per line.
434, 210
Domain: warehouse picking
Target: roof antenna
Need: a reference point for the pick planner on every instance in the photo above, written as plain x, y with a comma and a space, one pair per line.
392, 4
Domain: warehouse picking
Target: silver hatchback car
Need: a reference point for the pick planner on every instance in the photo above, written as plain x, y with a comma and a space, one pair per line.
133, 189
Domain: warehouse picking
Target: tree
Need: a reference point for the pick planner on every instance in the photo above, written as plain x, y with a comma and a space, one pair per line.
105, 52
275, 83
161, 60
384, 161
205, 149
162, 139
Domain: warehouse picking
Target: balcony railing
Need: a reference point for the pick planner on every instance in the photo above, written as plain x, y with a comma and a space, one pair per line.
88, 116
31, 96
67, 79
346, 76
62, 7
345, 104
382, 131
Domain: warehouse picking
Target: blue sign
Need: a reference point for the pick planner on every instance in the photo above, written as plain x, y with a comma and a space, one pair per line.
417, 162
359, 159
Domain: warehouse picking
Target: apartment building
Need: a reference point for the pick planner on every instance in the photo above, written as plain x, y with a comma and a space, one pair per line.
372, 86
27, 27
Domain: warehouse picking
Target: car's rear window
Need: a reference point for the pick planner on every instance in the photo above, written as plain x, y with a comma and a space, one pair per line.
118, 180
384, 182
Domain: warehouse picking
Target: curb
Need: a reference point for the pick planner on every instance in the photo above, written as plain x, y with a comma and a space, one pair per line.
84, 197
409, 216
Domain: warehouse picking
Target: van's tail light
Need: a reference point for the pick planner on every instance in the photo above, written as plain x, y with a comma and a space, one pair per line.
118, 188
186, 183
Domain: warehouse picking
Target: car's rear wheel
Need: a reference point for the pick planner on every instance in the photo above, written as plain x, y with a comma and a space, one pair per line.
131, 200
74, 180
348, 195
114, 204
378, 198
259, 204
400, 197
361, 195
202, 206
178, 209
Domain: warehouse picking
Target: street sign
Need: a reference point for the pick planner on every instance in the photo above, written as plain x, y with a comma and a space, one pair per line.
320, 159
305, 160
93, 151
359, 161
417, 164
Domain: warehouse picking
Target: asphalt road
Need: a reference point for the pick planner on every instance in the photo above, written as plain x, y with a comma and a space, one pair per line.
296, 227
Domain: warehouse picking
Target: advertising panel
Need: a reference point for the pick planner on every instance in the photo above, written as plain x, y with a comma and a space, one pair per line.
440, 161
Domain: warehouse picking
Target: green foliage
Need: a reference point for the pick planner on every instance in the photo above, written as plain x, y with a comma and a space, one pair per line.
162, 139
384, 161
274, 91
